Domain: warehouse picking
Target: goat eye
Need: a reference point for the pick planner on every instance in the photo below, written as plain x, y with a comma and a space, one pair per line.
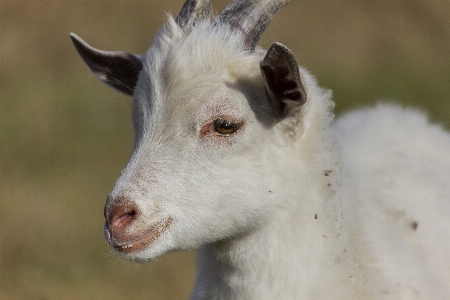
226, 127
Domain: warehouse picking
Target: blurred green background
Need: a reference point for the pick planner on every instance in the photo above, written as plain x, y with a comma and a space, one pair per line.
64, 137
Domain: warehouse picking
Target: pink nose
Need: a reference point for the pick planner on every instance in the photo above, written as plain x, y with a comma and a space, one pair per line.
119, 218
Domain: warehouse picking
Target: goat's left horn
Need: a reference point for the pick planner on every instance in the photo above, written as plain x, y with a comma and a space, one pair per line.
251, 18
192, 11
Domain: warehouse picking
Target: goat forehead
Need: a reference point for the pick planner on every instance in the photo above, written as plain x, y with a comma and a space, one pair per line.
213, 52
209, 85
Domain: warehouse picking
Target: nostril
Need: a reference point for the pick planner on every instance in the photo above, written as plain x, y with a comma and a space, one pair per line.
120, 217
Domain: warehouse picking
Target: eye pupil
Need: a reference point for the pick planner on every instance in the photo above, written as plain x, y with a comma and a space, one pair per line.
226, 127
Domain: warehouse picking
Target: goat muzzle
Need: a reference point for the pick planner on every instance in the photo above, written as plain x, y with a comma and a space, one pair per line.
122, 232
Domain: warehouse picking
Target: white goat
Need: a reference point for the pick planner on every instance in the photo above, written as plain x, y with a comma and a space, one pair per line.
236, 152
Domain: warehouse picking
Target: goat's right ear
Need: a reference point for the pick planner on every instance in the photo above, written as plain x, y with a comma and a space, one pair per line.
282, 77
117, 69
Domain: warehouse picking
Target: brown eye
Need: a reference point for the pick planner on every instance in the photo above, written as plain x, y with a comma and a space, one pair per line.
226, 127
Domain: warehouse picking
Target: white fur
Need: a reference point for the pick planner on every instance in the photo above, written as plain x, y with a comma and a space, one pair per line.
298, 208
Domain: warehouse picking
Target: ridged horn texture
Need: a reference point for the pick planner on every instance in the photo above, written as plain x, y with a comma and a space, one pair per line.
250, 18
192, 11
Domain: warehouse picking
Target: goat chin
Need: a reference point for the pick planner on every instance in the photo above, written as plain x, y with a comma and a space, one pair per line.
237, 153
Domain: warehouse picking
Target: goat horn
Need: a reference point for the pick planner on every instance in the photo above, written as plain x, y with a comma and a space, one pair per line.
192, 11
251, 18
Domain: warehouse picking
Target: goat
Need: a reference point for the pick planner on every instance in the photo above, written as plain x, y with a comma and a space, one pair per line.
237, 153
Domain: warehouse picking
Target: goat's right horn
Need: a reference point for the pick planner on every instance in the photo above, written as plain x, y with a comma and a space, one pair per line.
251, 18
192, 11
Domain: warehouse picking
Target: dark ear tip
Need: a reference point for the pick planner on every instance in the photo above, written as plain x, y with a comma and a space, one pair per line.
277, 45
75, 38
81, 45
118, 69
277, 50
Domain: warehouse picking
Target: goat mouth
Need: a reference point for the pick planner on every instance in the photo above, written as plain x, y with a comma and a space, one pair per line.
139, 242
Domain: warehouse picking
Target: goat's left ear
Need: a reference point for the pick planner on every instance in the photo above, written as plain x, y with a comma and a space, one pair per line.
283, 80
118, 69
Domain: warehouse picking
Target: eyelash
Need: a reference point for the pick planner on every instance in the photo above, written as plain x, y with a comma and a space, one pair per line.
226, 127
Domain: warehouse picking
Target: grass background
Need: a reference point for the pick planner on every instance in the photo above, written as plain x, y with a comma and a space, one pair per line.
64, 137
